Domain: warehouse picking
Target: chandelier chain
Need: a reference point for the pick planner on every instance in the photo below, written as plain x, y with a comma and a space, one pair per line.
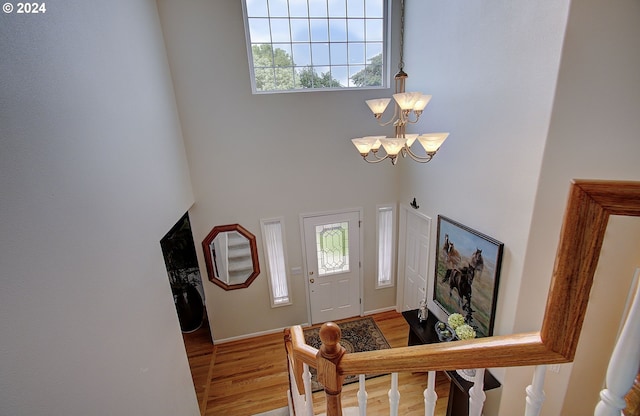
401, 63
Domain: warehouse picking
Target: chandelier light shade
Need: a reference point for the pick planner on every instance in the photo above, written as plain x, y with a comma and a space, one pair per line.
393, 146
378, 106
410, 138
408, 107
432, 142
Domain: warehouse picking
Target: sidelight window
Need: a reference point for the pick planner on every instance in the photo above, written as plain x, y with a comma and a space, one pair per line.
386, 247
276, 259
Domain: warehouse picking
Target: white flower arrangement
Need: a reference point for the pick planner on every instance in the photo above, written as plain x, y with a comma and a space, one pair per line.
465, 331
455, 320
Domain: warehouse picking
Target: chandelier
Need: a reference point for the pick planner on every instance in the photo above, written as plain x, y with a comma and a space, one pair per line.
408, 106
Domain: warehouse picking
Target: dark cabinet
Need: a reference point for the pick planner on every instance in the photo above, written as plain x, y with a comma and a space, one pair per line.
425, 333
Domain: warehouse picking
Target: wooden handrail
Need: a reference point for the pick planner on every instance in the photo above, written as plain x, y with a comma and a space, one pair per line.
589, 206
489, 352
301, 350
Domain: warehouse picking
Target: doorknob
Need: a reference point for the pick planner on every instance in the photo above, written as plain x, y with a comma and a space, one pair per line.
311, 280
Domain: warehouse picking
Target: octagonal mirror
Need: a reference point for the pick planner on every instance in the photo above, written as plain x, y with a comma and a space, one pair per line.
231, 256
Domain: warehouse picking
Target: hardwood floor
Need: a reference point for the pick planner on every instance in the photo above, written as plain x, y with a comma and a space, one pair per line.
633, 399
250, 376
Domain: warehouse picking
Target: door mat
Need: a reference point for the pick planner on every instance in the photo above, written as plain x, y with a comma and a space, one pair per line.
359, 335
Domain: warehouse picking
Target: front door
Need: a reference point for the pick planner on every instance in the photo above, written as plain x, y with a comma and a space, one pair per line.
332, 248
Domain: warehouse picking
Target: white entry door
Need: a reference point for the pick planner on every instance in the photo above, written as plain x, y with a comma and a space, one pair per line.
416, 259
332, 248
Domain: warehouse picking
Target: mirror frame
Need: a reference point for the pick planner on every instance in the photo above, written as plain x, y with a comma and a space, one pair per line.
206, 243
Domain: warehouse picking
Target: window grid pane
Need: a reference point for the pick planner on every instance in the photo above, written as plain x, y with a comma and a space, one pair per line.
300, 30
339, 43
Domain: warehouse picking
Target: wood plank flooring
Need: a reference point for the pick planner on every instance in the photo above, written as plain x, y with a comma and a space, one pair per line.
250, 376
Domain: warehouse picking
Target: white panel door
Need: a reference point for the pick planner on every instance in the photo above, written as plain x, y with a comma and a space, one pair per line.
416, 261
332, 247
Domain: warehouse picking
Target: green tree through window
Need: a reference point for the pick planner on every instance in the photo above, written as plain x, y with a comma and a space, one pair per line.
274, 70
371, 75
309, 78
269, 65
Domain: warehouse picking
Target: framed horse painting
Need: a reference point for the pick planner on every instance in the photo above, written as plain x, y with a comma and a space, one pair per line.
467, 274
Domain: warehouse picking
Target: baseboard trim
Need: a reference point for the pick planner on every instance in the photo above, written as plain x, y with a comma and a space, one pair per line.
254, 334
375, 311
274, 331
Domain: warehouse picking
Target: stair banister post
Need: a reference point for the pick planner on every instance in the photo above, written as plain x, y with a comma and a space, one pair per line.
476, 394
362, 396
623, 364
328, 357
394, 395
430, 395
308, 398
535, 392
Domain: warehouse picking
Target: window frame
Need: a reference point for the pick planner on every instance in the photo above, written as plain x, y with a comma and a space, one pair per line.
387, 8
392, 249
268, 260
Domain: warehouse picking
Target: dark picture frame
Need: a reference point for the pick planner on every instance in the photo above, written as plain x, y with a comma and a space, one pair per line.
467, 273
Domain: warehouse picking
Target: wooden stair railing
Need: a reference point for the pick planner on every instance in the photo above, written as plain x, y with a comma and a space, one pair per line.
589, 206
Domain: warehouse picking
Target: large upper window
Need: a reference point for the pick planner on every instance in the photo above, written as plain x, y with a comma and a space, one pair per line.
306, 44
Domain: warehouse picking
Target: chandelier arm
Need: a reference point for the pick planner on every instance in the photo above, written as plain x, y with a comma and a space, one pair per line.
421, 159
408, 119
381, 124
393, 119
375, 155
376, 160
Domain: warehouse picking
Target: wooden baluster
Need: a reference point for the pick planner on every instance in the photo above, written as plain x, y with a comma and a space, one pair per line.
623, 364
476, 394
328, 357
362, 396
535, 394
394, 395
430, 395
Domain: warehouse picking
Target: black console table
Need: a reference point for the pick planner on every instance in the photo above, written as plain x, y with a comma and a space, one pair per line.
425, 333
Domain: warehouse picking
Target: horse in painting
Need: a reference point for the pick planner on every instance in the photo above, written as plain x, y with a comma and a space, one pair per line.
462, 279
477, 262
451, 257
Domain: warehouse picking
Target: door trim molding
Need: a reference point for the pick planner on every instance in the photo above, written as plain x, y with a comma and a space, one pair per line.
305, 268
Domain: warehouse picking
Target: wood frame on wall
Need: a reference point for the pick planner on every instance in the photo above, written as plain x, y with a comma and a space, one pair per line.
210, 262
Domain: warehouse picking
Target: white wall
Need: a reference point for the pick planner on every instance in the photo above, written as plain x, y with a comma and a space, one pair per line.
594, 133
263, 156
491, 68
93, 174
515, 145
